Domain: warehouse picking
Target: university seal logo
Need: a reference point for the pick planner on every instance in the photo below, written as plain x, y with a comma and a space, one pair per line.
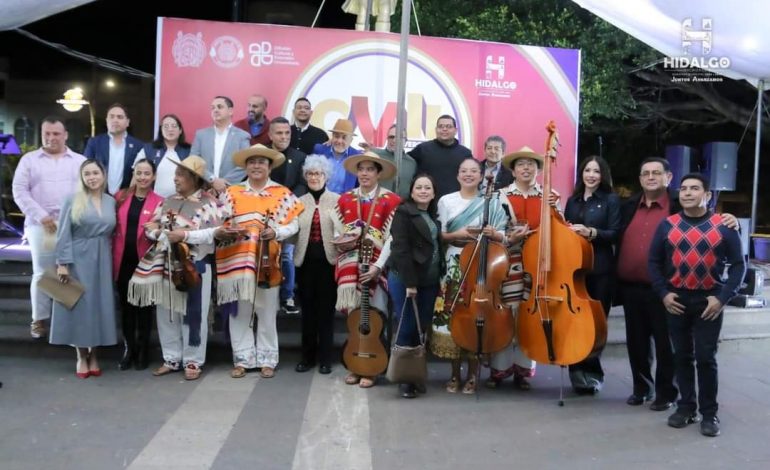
226, 52
189, 50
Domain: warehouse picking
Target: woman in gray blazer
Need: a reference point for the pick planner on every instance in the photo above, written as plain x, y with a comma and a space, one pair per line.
314, 257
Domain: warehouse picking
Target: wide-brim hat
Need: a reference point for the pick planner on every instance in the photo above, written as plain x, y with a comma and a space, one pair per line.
276, 158
343, 126
524, 152
388, 168
194, 164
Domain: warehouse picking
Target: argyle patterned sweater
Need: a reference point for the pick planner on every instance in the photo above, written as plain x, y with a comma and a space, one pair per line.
690, 255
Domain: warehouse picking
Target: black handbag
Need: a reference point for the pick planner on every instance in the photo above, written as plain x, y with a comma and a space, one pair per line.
408, 364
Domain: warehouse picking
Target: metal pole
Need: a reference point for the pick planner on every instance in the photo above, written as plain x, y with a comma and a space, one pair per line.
760, 92
406, 7
367, 22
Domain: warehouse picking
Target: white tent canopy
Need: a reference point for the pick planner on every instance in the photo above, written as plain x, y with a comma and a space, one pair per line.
738, 29
16, 13
705, 29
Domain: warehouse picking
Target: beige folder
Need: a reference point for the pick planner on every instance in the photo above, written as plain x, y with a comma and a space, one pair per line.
66, 294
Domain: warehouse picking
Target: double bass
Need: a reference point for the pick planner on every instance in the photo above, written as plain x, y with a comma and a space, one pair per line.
559, 323
481, 322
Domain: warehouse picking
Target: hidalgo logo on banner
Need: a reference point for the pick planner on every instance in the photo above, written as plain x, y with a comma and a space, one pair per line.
489, 88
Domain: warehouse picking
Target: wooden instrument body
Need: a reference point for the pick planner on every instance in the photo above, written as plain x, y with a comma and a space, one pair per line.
268, 259
364, 353
184, 276
482, 300
578, 323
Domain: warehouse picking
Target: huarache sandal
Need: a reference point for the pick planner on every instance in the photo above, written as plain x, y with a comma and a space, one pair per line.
352, 379
192, 372
238, 372
267, 373
453, 385
366, 382
470, 386
163, 370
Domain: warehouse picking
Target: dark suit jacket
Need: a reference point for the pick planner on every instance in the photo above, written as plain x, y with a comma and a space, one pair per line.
602, 212
504, 177
98, 148
290, 173
412, 245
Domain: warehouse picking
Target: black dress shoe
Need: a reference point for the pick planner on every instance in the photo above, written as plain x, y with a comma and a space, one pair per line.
304, 366
661, 405
681, 419
127, 360
324, 369
636, 400
407, 391
710, 426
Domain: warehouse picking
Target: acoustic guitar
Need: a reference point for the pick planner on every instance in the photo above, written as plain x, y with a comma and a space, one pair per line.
364, 353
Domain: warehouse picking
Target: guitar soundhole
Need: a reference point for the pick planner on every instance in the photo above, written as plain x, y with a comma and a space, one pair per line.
364, 329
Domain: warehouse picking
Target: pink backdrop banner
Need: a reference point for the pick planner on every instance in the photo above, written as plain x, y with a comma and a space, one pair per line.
490, 88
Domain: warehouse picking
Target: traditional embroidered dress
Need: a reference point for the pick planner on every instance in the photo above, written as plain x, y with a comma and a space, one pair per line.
236, 269
456, 213
523, 206
353, 211
182, 332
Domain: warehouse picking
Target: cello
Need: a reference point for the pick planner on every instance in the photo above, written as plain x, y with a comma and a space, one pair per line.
481, 322
559, 323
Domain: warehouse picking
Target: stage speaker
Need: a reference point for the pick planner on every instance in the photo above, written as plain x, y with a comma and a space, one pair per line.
721, 164
681, 158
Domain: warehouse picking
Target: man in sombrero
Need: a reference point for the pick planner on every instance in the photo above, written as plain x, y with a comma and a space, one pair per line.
338, 150
257, 209
366, 210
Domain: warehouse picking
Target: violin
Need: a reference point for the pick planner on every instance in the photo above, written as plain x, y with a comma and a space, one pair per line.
184, 276
481, 322
559, 323
268, 260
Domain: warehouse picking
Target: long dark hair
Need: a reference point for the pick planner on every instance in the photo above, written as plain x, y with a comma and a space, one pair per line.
131, 190
605, 184
159, 142
433, 204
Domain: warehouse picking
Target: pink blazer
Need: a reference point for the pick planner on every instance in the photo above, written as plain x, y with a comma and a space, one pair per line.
142, 242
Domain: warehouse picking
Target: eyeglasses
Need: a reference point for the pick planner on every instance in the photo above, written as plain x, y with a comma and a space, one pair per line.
645, 174
445, 126
314, 174
170, 126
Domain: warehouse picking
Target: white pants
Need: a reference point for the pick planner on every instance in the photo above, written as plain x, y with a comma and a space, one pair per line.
174, 335
42, 247
263, 353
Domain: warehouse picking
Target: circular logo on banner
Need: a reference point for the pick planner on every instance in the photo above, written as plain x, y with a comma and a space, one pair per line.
359, 81
226, 52
189, 50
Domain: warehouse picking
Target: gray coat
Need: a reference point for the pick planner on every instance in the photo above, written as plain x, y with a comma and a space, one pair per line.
203, 145
86, 248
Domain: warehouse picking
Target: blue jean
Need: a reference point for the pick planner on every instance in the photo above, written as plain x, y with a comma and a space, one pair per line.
426, 297
695, 346
287, 269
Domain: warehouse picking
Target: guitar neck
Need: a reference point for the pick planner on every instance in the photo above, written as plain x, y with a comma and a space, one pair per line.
365, 297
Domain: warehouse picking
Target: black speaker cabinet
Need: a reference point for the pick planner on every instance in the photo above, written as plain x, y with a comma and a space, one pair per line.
721, 164
682, 160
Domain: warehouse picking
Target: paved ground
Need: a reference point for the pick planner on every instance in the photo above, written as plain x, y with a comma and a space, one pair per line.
50, 419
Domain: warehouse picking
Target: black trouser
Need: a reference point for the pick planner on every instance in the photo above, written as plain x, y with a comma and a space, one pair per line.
695, 342
317, 294
136, 322
646, 321
599, 288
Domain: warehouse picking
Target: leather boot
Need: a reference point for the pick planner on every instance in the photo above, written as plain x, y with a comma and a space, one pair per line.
144, 325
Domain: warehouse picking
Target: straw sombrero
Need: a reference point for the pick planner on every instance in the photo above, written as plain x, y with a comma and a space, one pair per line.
524, 152
388, 168
276, 158
343, 126
194, 164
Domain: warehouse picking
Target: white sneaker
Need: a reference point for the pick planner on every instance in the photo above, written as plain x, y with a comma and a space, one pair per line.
290, 308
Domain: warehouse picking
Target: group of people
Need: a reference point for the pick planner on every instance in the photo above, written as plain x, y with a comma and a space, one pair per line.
234, 216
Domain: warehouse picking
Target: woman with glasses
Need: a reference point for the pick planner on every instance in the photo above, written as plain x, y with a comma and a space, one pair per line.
169, 147
315, 257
